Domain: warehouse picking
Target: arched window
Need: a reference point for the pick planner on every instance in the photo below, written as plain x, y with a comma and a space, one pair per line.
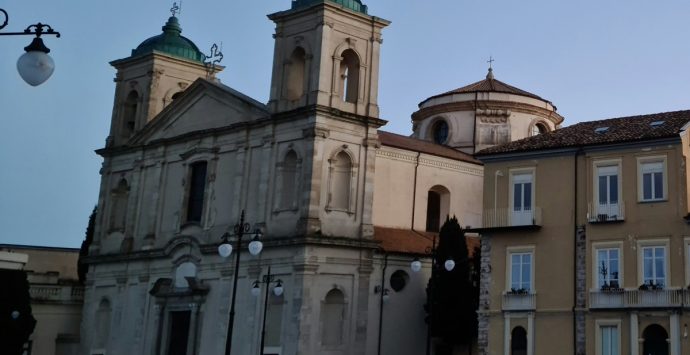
349, 73
340, 179
295, 74
288, 181
655, 342
103, 314
437, 207
118, 206
130, 113
197, 187
538, 128
518, 341
333, 318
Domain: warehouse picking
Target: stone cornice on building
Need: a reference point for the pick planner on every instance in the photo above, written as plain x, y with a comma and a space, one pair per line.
481, 106
240, 126
212, 249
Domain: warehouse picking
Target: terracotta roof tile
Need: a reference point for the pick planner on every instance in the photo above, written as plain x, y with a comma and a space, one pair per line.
418, 145
609, 131
487, 85
409, 241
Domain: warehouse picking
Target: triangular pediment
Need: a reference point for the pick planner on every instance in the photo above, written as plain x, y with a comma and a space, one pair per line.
203, 106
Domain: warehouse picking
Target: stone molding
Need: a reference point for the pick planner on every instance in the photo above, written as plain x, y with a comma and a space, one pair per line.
427, 112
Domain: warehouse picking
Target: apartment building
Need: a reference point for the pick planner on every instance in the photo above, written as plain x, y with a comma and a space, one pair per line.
586, 240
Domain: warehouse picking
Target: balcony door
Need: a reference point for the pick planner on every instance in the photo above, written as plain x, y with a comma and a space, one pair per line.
607, 192
522, 205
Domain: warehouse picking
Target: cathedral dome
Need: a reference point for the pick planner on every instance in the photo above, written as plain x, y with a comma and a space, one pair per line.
483, 114
490, 84
171, 42
354, 5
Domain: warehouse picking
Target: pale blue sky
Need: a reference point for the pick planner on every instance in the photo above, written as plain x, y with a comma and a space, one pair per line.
593, 59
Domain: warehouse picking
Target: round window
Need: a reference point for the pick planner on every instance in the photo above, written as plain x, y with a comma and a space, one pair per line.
440, 132
539, 128
399, 280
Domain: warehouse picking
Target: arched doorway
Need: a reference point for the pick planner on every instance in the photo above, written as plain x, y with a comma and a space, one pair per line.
655, 342
518, 341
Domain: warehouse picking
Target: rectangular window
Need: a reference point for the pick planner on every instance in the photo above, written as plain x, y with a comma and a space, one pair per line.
609, 340
520, 271
654, 265
197, 187
608, 267
651, 179
607, 195
522, 206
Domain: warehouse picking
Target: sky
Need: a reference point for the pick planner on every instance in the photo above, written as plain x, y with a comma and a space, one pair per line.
593, 59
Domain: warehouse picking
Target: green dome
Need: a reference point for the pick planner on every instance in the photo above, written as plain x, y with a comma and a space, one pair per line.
354, 5
170, 42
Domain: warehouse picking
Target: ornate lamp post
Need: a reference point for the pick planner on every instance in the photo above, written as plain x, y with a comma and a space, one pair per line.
256, 290
224, 250
416, 266
35, 66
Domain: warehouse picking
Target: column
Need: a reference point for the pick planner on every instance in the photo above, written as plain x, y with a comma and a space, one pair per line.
634, 334
675, 333
530, 333
506, 333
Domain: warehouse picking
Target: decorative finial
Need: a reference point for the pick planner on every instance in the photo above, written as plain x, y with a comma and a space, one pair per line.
490, 74
175, 10
212, 59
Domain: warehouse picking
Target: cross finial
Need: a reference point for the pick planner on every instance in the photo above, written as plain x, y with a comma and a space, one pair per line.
175, 10
490, 61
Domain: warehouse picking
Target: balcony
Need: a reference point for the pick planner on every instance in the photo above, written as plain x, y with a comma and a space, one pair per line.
56, 293
621, 299
519, 301
510, 219
606, 213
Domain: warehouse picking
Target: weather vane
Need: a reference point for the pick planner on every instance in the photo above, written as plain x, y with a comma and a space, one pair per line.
175, 10
212, 59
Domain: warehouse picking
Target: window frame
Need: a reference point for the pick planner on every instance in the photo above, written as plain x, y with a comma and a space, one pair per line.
596, 247
652, 243
510, 251
640, 178
686, 254
601, 323
188, 191
596, 165
511, 190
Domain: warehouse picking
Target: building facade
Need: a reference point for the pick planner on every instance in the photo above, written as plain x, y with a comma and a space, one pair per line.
56, 297
585, 240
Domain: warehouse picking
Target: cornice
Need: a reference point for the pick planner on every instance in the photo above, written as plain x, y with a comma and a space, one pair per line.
487, 105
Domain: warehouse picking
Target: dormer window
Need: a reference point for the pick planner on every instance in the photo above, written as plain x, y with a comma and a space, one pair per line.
440, 132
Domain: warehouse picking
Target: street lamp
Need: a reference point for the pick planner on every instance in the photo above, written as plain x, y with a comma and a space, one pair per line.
224, 250
416, 266
35, 66
256, 291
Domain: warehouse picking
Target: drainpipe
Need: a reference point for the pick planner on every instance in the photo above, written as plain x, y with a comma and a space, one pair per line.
383, 292
496, 175
577, 154
414, 188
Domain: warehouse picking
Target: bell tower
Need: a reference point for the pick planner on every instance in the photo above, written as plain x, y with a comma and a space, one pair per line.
327, 54
154, 75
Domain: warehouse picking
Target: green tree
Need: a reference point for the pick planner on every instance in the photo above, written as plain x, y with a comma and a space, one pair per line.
16, 321
83, 268
454, 294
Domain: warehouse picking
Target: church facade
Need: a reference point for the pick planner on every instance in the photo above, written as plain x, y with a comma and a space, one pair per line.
343, 206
